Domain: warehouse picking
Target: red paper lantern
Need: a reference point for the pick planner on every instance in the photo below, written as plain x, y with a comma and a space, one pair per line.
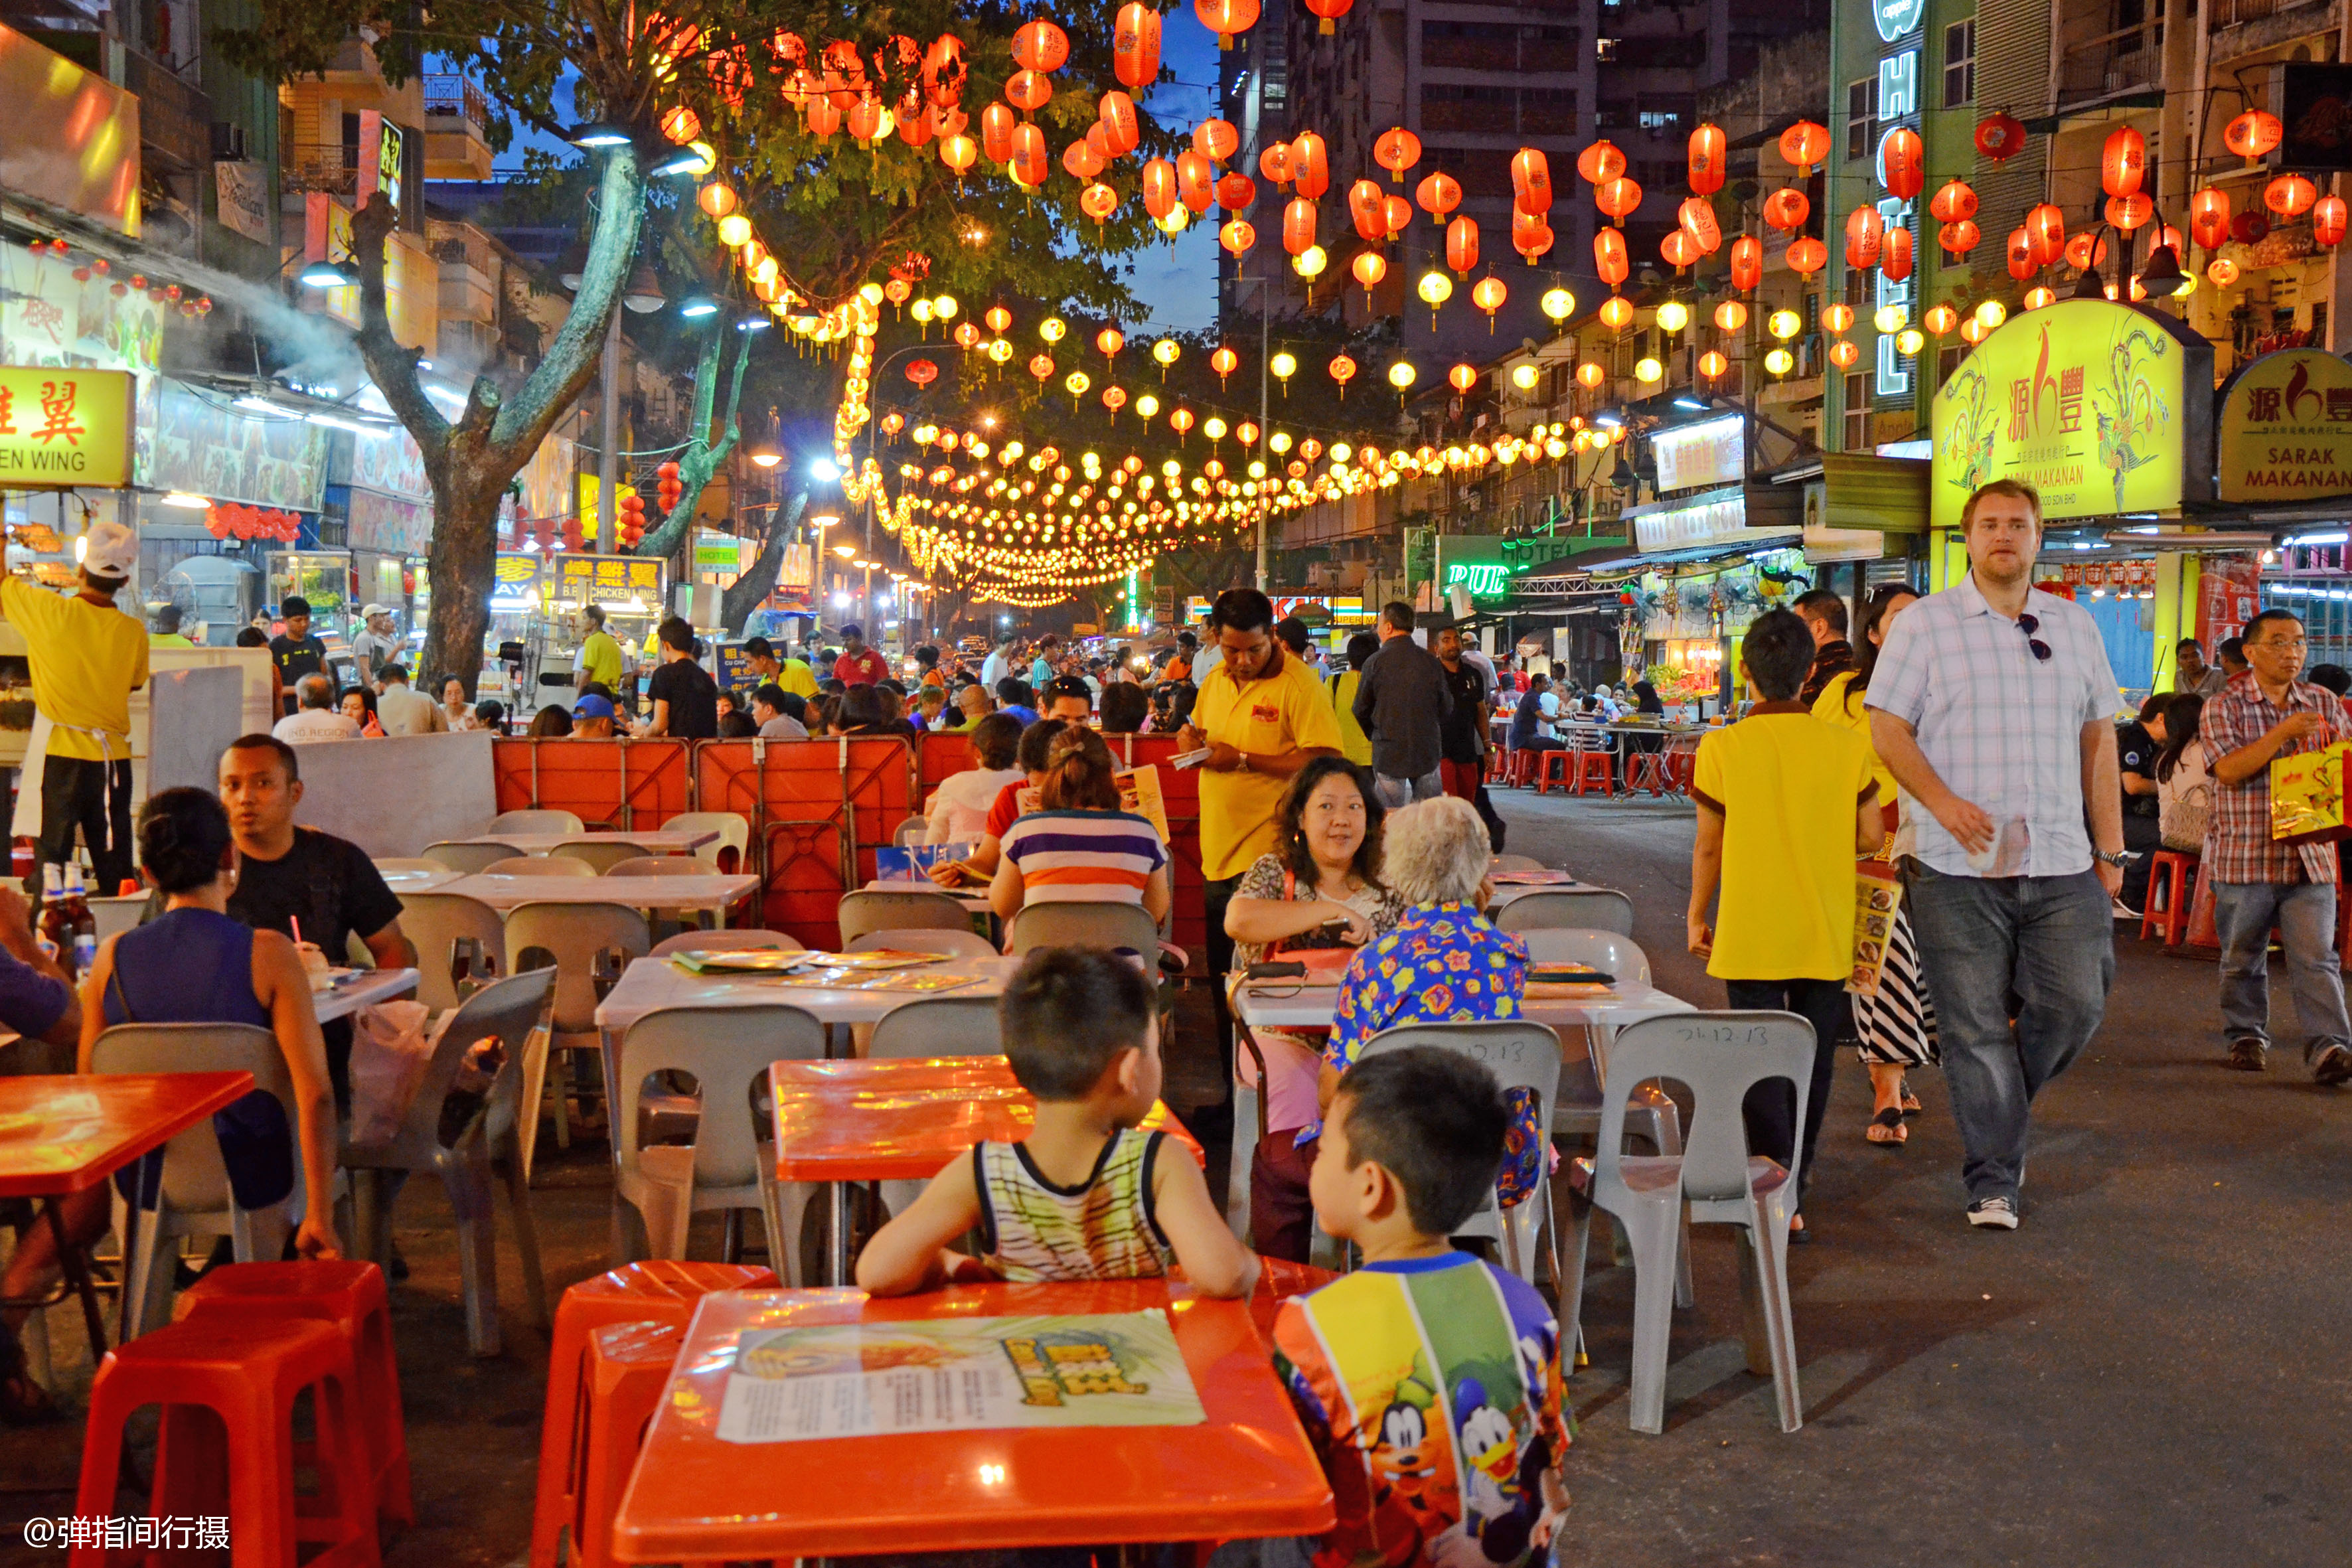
2327, 218
1747, 261
2209, 217
1370, 267
1488, 296
1364, 207
1298, 226
1226, 17
1609, 258
1329, 10
1134, 45
1397, 151
1310, 164
1894, 254
1122, 131
1709, 157
2129, 212
1194, 177
1805, 145
1808, 256
2000, 137
1024, 91
1954, 201
1040, 46
1531, 181
1028, 154
2250, 228
1679, 248
1461, 378
1865, 230
996, 124
2290, 195
2086, 251
2021, 264
1618, 197
1461, 244
922, 373
823, 118
1396, 215
1697, 218
1216, 140
1236, 191
1081, 162
1236, 235
2123, 163
1787, 208
1958, 236
1438, 195
1601, 163
1902, 164
2252, 134
1273, 163
1159, 197
1531, 236
1097, 202
2045, 233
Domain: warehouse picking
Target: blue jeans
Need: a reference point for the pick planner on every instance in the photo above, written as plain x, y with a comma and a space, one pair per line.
2304, 913
2040, 950
1396, 793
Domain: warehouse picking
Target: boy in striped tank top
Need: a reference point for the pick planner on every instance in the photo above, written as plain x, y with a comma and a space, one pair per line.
1088, 1195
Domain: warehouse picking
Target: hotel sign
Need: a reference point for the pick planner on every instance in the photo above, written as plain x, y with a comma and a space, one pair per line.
2285, 431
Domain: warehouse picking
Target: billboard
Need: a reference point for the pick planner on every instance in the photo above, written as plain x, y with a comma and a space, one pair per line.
65, 427
2285, 429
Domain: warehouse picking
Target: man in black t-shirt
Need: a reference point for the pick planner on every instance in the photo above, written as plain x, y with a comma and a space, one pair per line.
296, 652
1462, 730
685, 696
288, 875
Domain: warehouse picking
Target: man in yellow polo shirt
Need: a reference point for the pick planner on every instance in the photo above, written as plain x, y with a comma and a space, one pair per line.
1786, 801
600, 657
86, 659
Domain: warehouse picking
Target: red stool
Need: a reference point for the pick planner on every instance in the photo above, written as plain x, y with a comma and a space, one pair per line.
350, 1296
628, 1366
1555, 764
659, 1291
227, 1391
2176, 873
1498, 763
1649, 772
1593, 771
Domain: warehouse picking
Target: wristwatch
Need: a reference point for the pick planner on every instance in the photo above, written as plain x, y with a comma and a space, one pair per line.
2116, 860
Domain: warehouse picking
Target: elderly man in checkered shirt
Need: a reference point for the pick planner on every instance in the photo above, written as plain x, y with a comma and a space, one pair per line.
2259, 882
1993, 706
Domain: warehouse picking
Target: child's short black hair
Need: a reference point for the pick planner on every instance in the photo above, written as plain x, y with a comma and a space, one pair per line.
1778, 651
1066, 1015
1433, 1118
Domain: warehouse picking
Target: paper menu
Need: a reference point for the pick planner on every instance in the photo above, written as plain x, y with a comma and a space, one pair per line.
1877, 891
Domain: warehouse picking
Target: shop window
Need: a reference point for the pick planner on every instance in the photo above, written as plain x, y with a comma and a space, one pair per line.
1857, 410
1948, 360
1860, 109
1960, 64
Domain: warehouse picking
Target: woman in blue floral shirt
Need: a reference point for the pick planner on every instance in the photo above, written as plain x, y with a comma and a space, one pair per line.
1442, 962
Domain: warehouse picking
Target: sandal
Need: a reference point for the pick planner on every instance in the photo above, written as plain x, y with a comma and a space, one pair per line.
1910, 1101
1886, 1128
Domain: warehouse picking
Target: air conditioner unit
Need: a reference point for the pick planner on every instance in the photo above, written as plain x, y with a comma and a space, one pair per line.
228, 142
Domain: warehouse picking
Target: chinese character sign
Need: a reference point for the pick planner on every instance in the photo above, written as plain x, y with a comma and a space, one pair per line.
2228, 592
2285, 433
64, 427
2089, 402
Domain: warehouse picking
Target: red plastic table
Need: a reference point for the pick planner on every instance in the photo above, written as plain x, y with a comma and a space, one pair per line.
901, 1119
1246, 1471
64, 1135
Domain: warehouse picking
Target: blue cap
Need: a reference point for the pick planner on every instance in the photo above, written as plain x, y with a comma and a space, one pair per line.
852, 630
593, 707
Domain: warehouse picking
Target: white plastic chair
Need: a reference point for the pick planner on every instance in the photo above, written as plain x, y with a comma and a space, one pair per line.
393, 863
588, 944
193, 1196
731, 1164
539, 866
964, 943
536, 822
938, 1027
1521, 1055
910, 830
507, 1011
1718, 1056
599, 858
467, 858
913, 909
726, 941
117, 913
448, 928
1581, 908
734, 830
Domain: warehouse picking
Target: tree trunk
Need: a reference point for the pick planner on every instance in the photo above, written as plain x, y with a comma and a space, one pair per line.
463, 565
702, 456
743, 597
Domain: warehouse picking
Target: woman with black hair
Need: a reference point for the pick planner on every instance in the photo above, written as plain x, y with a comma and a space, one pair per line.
358, 704
2184, 787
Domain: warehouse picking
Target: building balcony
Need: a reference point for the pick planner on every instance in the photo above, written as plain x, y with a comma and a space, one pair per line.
2235, 13
328, 166
457, 129
176, 118
2128, 59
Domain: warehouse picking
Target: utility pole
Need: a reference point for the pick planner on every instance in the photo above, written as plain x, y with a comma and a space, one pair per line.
1265, 314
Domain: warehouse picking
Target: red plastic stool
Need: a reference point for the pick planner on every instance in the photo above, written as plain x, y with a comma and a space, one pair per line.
2177, 873
227, 1391
1649, 772
659, 1291
350, 1296
1593, 771
1555, 764
628, 1366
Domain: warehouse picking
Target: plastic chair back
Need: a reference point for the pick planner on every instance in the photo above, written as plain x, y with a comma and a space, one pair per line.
539, 866
734, 831
1086, 925
436, 923
726, 941
939, 1027
468, 859
1606, 950
965, 944
390, 863
121, 912
660, 865
914, 910
508, 1011
910, 830
1574, 908
1520, 1054
599, 858
194, 1179
536, 822
1718, 1056
573, 936
727, 1051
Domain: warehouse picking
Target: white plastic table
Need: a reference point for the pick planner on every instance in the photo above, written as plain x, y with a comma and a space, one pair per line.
368, 986
1282, 1003
1512, 892
652, 983
654, 840
418, 882
503, 893
972, 899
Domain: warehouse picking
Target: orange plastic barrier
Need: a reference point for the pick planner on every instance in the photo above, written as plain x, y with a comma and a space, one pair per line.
1179, 794
613, 785
937, 756
818, 809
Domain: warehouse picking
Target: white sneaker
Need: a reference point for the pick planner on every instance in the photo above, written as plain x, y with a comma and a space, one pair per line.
2123, 911
1993, 1213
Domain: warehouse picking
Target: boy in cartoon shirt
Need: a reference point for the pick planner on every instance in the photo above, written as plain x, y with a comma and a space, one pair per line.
1428, 1380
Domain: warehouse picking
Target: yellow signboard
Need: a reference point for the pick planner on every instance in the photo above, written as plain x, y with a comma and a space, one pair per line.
60, 429
2103, 408
2285, 433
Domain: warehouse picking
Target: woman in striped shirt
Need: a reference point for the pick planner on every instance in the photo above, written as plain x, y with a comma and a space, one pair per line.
1079, 847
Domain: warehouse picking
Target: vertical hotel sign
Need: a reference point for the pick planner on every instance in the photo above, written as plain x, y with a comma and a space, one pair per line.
1897, 107
2104, 408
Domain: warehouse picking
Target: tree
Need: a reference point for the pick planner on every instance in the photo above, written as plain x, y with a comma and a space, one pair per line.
706, 449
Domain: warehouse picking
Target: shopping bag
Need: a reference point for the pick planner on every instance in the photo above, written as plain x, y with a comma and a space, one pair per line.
1878, 890
392, 1045
2307, 796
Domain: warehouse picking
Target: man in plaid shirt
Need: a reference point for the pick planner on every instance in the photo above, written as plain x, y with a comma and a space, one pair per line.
2258, 882
1993, 706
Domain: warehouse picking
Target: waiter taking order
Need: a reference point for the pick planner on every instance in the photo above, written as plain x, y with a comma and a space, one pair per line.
86, 659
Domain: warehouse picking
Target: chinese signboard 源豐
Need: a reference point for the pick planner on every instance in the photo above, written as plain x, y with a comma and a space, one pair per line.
2101, 407
64, 427
2285, 431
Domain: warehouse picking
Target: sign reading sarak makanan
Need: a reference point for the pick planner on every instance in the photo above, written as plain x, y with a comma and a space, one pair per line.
2285, 431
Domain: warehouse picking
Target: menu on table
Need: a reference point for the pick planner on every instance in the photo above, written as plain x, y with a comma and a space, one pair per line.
788, 959
863, 1380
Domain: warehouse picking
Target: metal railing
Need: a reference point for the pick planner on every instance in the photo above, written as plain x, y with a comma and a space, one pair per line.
2229, 13
328, 166
2122, 61
452, 97
176, 118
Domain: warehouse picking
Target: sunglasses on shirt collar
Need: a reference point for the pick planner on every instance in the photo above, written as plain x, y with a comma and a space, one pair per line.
2030, 625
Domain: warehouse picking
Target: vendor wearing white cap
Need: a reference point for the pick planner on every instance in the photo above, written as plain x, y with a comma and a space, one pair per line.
377, 646
87, 658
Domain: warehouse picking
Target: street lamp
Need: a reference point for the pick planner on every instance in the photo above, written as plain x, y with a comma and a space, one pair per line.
327, 274
598, 136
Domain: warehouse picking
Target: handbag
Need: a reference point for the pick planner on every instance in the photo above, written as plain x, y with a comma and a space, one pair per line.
2185, 825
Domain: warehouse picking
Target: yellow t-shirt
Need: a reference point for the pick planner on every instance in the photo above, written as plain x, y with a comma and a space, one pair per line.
1352, 739
600, 660
795, 677
1832, 708
1285, 711
1787, 785
87, 660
